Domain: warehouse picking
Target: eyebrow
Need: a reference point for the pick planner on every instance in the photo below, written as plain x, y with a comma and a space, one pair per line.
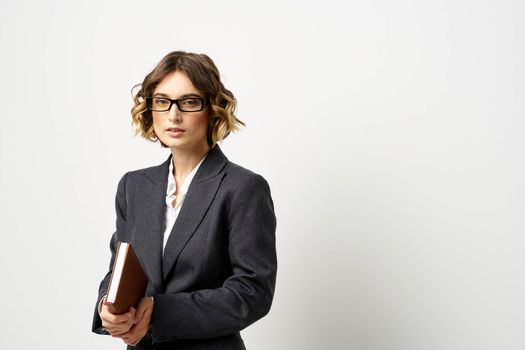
191, 94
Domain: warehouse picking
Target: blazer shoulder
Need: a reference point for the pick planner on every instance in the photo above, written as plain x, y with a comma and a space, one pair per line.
128, 178
138, 172
239, 176
153, 172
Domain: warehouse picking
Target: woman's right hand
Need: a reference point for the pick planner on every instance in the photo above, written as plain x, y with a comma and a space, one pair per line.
116, 324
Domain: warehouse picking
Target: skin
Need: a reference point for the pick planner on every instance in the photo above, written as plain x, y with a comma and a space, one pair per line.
131, 326
187, 151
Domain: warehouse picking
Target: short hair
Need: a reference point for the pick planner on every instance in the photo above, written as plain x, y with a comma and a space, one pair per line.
204, 75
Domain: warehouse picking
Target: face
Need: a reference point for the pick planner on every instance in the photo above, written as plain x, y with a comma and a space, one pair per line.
191, 126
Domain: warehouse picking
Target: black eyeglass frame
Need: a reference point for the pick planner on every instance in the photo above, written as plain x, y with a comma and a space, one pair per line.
149, 101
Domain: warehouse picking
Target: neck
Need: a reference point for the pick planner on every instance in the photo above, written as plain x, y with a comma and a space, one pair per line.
185, 160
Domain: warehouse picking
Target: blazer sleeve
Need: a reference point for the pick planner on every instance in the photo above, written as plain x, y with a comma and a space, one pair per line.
120, 207
247, 294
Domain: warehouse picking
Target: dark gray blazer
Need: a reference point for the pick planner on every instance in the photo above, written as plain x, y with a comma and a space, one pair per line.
218, 272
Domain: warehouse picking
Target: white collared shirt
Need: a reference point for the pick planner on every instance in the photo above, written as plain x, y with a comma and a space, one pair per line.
173, 212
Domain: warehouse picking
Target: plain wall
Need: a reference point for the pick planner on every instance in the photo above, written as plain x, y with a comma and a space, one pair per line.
391, 133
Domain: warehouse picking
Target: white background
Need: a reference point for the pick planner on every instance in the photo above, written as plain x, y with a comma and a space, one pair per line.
391, 133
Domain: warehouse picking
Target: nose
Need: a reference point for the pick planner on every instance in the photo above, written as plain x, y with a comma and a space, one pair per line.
174, 113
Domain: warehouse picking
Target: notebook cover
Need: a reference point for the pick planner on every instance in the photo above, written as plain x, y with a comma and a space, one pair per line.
132, 285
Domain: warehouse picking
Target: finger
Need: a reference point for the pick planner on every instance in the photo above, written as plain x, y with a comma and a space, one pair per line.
131, 323
116, 327
130, 340
133, 341
143, 304
118, 319
122, 328
130, 343
139, 315
147, 310
111, 317
119, 333
127, 328
135, 336
132, 332
109, 324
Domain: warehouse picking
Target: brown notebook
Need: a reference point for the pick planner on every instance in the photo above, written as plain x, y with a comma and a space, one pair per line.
128, 281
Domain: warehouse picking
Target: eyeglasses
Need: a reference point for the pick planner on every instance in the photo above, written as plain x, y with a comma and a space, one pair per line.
187, 104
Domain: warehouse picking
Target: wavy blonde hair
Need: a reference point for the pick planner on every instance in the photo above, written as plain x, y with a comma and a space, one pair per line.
205, 76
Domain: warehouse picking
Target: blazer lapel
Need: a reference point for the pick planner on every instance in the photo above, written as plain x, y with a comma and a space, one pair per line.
150, 221
198, 199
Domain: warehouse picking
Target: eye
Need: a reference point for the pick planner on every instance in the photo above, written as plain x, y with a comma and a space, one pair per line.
189, 102
161, 101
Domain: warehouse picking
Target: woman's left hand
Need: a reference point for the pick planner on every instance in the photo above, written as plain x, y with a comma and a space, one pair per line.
141, 324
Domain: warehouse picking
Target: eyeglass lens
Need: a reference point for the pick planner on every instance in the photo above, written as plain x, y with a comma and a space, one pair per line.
189, 104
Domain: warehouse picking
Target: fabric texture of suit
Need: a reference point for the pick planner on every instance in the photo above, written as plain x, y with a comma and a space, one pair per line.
218, 272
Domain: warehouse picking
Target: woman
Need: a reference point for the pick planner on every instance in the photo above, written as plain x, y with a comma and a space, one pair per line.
202, 226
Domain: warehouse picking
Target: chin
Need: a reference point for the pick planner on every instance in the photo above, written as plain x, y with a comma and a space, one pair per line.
177, 144
183, 143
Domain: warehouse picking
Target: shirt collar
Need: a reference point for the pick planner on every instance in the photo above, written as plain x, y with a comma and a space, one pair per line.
172, 185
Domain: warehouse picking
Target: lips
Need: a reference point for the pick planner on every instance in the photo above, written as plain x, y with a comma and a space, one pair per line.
175, 129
